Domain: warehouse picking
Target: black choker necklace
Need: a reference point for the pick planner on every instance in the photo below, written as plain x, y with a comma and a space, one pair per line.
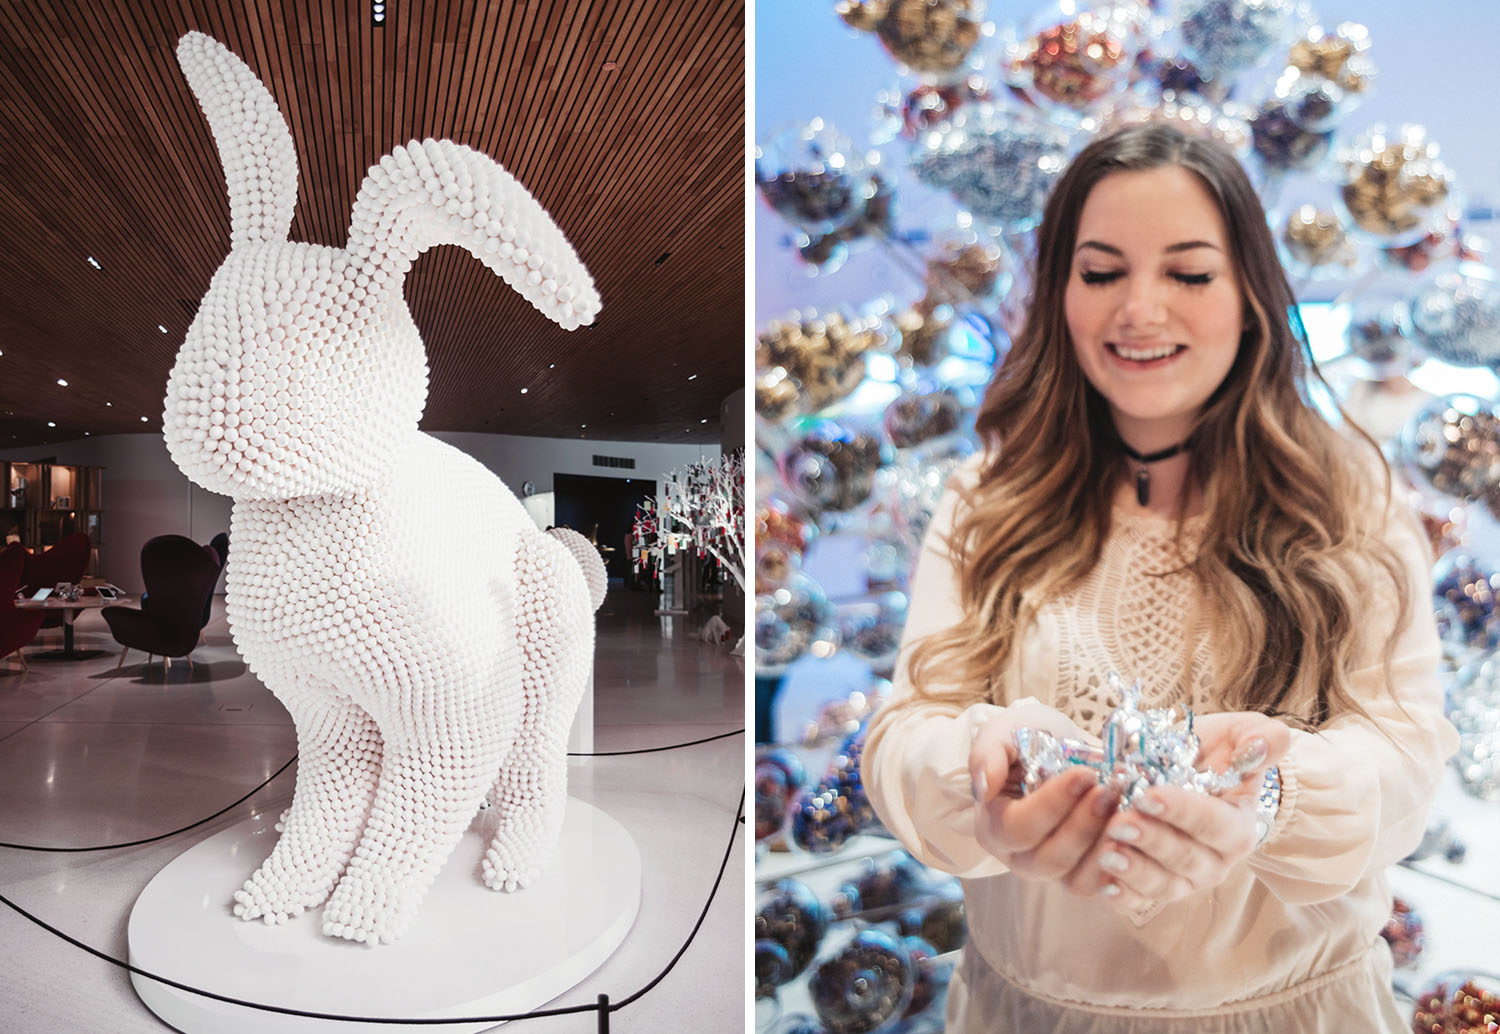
1143, 476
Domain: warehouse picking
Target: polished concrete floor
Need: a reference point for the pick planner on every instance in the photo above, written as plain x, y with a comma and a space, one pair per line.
90, 755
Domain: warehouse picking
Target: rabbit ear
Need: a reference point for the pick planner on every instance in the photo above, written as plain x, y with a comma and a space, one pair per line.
436, 192
255, 146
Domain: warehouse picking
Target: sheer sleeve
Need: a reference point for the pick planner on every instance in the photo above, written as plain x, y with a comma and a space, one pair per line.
1355, 794
916, 757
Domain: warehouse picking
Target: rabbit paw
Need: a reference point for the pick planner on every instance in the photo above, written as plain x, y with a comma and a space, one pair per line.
372, 912
274, 896
508, 870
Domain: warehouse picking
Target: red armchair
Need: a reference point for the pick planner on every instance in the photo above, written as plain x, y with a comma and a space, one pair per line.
17, 627
64, 562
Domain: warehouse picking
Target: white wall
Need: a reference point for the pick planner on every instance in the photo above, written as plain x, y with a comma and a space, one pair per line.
145, 495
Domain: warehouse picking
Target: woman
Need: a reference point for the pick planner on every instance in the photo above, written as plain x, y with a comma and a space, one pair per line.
1157, 498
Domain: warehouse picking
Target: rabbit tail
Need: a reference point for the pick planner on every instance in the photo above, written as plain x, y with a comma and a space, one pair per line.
255, 146
589, 562
437, 192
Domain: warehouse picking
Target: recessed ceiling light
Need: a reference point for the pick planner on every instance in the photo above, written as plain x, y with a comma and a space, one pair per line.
62, 382
704, 420
51, 424
583, 425
693, 377
109, 403
525, 390
161, 328
143, 420
610, 66
94, 262
551, 366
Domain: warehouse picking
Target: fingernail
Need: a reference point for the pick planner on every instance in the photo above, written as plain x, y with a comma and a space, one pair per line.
1125, 831
1250, 756
980, 786
1110, 890
1150, 805
1113, 861
1104, 804
1082, 785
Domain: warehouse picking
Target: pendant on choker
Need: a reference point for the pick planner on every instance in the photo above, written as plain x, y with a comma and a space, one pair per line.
1143, 475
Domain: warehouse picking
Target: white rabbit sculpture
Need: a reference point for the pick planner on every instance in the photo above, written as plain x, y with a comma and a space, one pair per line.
430, 643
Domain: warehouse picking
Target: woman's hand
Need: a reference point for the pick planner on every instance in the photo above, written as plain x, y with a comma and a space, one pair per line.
1174, 842
1049, 833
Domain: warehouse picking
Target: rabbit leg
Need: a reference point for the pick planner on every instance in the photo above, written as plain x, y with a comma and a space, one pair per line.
338, 765
430, 783
555, 629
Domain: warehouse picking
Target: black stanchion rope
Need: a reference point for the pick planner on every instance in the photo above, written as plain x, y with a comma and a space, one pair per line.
404, 1020
653, 750
160, 836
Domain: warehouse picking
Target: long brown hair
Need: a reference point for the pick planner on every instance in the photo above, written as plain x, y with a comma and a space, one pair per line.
1287, 536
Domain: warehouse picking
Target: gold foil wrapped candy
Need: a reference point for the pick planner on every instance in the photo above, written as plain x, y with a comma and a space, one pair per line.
1339, 56
1394, 183
822, 355
1315, 241
927, 36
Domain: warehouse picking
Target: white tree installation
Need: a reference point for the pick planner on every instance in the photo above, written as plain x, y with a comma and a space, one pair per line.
701, 507
431, 648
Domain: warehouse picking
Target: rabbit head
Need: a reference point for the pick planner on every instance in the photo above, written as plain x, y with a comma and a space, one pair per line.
303, 369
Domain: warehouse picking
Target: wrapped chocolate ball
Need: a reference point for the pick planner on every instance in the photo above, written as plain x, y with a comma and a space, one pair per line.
1395, 188
997, 162
826, 817
863, 986
779, 776
1459, 1003
924, 986
790, 915
940, 922
927, 36
1314, 244
1340, 56
925, 415
1451, 448
882, 885
841, 717
870, 628
965, 268
1403, 932
1457, 318
1379, 338
1075, 55
1224, 37
823, 357
812, 177
912, 112
791, 620
1474, 710
773, 967
1464, 591
1281, 142
831, 467
845, 777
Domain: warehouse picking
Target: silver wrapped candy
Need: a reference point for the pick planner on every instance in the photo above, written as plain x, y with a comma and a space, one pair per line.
1142, 748
1457, 318
999, 163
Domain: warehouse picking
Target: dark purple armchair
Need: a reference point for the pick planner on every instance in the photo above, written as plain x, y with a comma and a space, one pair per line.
17, 627
180, 576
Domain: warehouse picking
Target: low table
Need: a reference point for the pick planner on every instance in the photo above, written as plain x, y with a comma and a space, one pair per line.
71, 609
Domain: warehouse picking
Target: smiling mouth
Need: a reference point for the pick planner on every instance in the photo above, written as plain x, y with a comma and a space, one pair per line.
1144, 355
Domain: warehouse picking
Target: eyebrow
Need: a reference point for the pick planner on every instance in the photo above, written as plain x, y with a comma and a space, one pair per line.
1110, 249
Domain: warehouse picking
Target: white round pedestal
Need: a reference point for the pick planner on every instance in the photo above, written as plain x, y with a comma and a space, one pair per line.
471, 951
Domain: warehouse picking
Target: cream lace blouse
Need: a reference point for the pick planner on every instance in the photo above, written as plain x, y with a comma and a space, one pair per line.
1290, 940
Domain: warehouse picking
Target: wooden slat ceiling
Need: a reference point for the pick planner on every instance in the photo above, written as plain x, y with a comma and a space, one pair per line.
624, 118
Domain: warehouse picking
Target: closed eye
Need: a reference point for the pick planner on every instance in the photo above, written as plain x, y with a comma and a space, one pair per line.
1193, 279
1092, 276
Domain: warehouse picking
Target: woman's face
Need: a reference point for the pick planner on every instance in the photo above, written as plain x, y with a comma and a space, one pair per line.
1153, 303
